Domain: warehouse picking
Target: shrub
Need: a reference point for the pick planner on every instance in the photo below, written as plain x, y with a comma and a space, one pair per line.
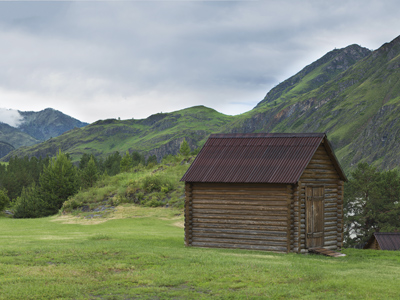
157, 183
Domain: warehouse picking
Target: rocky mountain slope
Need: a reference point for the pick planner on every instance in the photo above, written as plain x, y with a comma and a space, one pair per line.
352, 94
358, 108
47, 123
35, 127
12, 138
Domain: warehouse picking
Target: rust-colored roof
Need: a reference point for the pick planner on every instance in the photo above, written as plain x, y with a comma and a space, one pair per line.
386, 240
256, 157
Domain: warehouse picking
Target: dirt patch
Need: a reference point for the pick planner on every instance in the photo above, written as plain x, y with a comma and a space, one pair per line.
180, 224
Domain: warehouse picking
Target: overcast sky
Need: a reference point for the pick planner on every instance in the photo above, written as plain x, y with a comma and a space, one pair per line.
107, 59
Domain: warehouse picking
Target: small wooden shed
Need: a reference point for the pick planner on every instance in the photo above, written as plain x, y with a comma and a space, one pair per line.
384, 241
265, 191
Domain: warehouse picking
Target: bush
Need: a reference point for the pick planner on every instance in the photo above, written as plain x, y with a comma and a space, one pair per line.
29, 204
157, 183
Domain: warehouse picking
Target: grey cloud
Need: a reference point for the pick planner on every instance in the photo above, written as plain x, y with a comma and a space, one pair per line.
135, 58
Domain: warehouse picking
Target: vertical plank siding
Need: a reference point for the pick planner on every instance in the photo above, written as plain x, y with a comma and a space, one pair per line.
246, 216
321, 172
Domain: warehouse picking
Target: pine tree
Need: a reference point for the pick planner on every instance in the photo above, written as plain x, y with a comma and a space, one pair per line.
58, 181
29, 204
90, 173
152, 160
185, 149
126, 162
4, 200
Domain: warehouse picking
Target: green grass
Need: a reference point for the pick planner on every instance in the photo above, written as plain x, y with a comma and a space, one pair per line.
142, 256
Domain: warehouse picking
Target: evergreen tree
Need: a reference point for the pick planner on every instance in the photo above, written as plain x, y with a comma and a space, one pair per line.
360, 193
126, 162
58, 181
137, 159
152, 160
184, 149
4, 200
112, 164
371, 203
90, 173
84, 161
29, 204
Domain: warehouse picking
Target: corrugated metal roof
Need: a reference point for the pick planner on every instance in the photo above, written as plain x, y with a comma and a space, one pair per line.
388, 240
254, 157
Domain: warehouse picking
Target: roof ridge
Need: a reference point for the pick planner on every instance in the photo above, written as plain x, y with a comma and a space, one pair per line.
267, 135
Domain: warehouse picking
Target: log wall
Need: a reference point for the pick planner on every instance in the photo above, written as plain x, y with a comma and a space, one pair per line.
321, 172
245, 216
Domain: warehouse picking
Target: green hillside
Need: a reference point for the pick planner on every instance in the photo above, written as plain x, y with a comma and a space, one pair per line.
352, 94
160, 134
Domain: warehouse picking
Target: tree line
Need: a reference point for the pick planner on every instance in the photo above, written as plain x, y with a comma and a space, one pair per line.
37, 187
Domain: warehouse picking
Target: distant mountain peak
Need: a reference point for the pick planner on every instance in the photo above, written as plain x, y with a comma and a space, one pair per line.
319, 72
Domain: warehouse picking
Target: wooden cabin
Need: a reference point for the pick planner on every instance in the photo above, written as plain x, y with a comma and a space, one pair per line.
384, 241
265, 191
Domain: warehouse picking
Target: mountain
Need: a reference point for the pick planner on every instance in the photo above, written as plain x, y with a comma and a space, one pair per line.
47, 123
358, 108
35, 127
12, 138
352, 94
160, 134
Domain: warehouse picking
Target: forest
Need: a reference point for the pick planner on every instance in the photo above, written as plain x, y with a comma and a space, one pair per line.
33, 187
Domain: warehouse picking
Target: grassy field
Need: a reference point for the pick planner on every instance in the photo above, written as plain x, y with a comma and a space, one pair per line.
139, 253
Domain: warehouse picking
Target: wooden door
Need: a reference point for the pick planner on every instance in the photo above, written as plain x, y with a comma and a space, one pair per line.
315, 216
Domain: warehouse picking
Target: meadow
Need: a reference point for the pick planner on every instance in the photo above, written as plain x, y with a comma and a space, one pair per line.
138, 252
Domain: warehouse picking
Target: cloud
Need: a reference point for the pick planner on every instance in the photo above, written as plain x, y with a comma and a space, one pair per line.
97, 60
11, 117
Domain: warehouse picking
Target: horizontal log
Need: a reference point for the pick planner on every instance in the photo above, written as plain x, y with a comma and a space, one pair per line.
241, 197
331, 228
311, 183
330, 214
242, 226
317, 166
244, 201
315, 175
240, 241
249, 208
240, 217
330, 233
243, 186
228, 212
240, 231
315, 160
245, 222
328, 243
240, 237
318, 181
239, 246
216, 193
